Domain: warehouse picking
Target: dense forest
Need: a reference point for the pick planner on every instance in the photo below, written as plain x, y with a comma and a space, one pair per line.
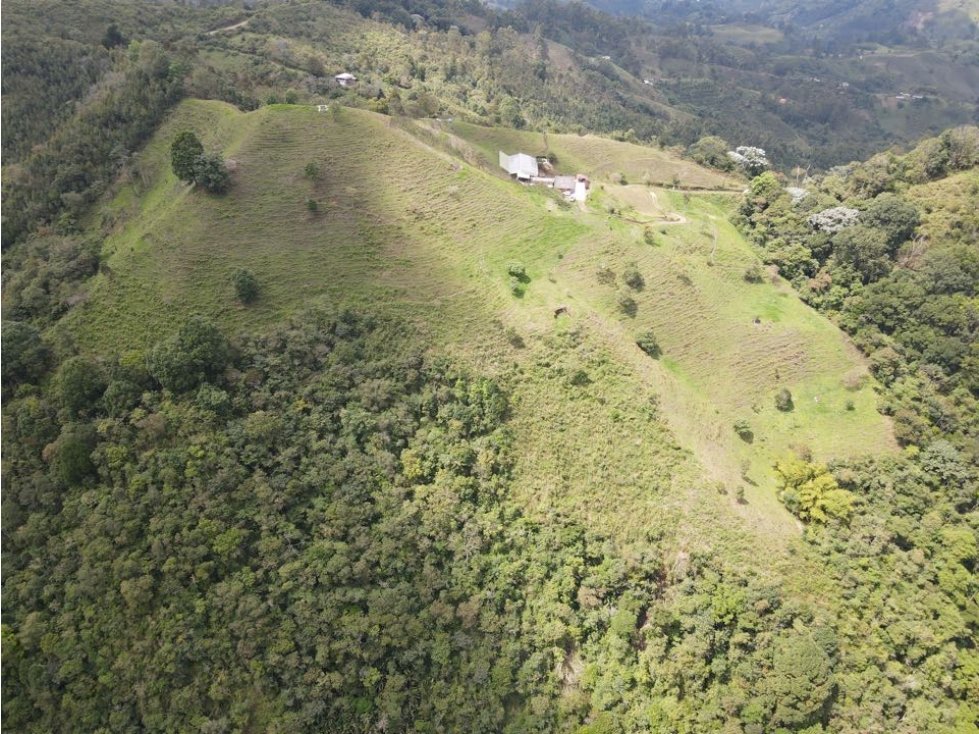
312, 529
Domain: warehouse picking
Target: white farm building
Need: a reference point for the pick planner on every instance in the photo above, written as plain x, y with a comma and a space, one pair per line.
520, 165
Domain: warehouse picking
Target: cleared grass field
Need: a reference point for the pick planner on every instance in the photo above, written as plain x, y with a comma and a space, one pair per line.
729, 346
596, 156
746, 33
404, 228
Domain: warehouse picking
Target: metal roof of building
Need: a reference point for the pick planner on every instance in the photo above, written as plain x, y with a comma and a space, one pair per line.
521, 165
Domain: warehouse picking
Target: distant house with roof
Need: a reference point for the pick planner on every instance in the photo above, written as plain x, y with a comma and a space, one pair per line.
574, 187
521, 166
538, 171
346, 79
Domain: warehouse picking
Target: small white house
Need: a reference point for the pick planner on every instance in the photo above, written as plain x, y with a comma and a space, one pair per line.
322, 108
346, 79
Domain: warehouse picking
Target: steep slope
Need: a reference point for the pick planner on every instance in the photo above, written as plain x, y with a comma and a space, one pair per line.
405, 227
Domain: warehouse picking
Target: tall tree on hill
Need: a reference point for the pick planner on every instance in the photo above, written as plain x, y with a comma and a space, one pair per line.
184, 152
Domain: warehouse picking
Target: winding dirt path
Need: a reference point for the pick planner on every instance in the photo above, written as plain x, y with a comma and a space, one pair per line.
232, 27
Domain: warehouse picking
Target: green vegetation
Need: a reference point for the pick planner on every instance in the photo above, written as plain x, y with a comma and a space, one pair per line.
60, 179
864, 247
783, 400
184, 152
743, 429
191, 164
810, 492
380, 485
649, 344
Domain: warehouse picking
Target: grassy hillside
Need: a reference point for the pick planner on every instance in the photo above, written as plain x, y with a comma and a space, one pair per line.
406, 228
597, 156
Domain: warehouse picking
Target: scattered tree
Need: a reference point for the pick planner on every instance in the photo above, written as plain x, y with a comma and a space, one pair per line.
648, 342
783, 400
743, 429
184, 152
633, 278
711, 151
754, 273
246, 285
627, 304
211, 173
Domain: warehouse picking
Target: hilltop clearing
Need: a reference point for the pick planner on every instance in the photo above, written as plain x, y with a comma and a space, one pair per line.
409, 230
431, 429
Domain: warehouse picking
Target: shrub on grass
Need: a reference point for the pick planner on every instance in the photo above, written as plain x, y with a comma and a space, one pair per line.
517, 270
514, 338
743, 429
648, 236
633, 278
605, 275
211, 173
580, 378
628, 305
649, 344
783, 400
312, 170
246, 285
754, 274
312, 206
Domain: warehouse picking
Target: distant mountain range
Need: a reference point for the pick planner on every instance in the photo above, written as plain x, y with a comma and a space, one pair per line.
917, 22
